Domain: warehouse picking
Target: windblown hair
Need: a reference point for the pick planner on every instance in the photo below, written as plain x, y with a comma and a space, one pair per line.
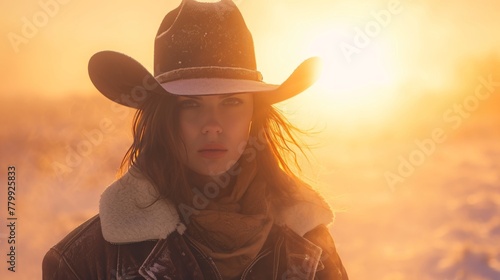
157, 147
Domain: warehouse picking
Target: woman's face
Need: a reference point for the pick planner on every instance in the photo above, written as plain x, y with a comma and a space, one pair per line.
214, 130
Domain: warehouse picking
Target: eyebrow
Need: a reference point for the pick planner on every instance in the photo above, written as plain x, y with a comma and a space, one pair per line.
227, 95
221, 96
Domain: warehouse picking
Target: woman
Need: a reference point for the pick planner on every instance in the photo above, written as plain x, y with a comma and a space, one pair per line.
208, 192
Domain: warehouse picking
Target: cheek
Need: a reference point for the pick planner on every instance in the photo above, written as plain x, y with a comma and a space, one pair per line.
187, 131
238, 126
187, 128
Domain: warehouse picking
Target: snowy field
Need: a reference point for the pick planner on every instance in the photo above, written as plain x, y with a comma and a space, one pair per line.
443, 223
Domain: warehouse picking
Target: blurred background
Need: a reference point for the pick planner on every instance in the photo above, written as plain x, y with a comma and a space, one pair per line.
404, 122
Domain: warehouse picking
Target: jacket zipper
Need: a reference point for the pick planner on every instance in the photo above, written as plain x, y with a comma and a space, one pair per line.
255, 260
214, 267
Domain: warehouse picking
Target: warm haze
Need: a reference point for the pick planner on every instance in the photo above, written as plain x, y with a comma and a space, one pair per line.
405, 118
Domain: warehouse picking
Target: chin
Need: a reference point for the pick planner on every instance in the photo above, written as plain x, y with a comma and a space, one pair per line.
215, 171
214, 167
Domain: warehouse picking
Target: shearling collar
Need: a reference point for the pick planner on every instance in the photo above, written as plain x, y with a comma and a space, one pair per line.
129, 213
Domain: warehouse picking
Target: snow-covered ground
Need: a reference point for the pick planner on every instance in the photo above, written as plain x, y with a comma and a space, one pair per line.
442, 222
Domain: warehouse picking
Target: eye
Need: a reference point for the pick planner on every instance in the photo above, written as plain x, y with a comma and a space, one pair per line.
232, 101
188, 104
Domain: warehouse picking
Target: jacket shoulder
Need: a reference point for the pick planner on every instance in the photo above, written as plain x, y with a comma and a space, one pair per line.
331, 265
89, 229
77, 254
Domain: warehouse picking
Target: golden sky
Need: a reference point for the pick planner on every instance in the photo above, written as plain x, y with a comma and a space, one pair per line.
47, 43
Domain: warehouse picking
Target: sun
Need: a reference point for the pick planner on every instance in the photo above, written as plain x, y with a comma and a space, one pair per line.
360, 81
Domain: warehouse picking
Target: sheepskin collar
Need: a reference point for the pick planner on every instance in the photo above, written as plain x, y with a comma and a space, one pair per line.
129, 213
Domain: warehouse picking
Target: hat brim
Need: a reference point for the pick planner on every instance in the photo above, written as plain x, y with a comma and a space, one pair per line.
125, 81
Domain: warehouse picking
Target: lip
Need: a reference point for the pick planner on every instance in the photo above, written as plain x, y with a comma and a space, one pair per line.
212, 151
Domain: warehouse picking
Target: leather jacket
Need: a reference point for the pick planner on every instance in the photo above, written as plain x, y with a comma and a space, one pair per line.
126, 241
84, 254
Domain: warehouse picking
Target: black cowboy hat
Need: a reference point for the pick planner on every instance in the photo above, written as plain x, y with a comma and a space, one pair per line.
200, 49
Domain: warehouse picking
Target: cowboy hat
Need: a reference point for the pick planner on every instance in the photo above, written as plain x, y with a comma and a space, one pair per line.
200, 49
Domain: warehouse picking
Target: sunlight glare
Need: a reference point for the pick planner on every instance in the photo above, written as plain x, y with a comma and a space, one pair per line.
362, 83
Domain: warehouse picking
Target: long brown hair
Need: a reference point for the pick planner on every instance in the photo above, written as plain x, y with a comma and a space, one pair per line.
157, 147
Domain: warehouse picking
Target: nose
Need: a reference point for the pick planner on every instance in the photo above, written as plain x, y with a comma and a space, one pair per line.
211, 125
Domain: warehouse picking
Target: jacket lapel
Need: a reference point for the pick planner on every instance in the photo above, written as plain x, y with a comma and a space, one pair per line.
302, 256
130, 211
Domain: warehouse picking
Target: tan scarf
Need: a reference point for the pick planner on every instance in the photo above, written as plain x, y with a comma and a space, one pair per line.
234, 225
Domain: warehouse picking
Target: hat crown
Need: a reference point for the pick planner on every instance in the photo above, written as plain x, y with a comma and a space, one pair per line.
200, 49
201, 35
